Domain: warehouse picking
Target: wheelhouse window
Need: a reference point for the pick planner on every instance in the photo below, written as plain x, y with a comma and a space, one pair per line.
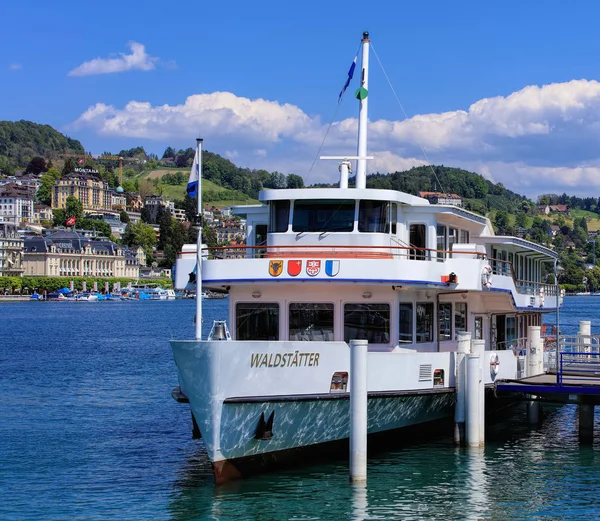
257, 321
417, 241
405, 335
442, 246
369, 322
374, 217
424, 322
311, 321
460, 317
323, 216
279, 216
445, 321
464, 236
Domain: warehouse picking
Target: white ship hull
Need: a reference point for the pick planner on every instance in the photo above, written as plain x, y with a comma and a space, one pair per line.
221, 380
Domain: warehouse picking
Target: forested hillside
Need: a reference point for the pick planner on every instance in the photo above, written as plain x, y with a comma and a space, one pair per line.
480, 194
20, 141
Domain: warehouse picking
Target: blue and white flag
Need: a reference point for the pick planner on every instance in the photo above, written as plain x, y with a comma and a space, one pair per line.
192, 186
350, 74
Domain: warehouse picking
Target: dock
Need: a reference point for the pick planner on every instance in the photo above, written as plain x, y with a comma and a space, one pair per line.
572, 376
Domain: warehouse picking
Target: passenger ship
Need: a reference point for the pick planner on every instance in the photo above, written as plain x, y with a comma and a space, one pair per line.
323, 266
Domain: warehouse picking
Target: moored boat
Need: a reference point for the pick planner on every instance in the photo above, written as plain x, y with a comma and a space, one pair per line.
340, 264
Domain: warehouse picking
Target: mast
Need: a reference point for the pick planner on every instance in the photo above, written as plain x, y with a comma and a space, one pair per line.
361, 94
199, 244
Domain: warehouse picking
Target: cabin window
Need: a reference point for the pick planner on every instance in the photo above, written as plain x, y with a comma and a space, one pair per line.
452, 238
417, 241
257, 321
445, 321
394, 218
374, 217
479, 328
441, 242
260, 239
424, 322
369, 322
279, 216
405, 335
460, 317
464, 236
323, 216
511, 330
311, 321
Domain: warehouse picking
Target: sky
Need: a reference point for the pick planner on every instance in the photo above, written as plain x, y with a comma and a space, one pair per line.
510, 90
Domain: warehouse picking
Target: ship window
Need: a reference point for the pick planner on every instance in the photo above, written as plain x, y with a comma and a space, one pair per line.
257, 321
279, 216
460, 317
311, 321
406, 323
424, 322
374, 217
323, 216
452, 238
445, 321
464, 236
369, 322
441, 242
417, 241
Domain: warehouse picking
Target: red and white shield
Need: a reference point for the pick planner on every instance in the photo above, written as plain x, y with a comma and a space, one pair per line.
313, 267
294, 267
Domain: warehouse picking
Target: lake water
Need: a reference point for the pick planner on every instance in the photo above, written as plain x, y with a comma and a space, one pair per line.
88, 430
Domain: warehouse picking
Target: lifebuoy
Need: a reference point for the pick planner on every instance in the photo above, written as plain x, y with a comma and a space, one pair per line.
486, 277
494, 365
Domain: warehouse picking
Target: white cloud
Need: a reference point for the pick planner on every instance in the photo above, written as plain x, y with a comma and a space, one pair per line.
15, 66
533, 139
138, 59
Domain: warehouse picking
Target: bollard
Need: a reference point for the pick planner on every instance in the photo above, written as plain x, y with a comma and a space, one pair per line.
472, 401
586, 423
463, 348
585, 335
478, 347
358, 410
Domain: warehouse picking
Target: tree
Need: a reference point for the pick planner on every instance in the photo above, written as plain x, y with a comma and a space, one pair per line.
36, 166
164, 228
73, 208
521, 220
145, 215
169, 153
295, 181
140, 234
124, 217
68, 167
47, 182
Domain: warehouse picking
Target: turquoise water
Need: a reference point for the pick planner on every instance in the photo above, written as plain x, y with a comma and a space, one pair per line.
88, 430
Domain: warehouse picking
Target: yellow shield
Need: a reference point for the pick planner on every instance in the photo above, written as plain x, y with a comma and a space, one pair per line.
275, 267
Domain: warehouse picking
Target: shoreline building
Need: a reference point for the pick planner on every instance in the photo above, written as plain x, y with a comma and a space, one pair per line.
70, 254
11, 250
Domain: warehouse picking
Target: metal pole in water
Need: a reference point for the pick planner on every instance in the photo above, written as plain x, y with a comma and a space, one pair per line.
463, 347
535, 366
472, 408
358, 410
478, 347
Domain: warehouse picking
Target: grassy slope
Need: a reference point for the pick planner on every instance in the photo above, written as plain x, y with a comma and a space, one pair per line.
174, 192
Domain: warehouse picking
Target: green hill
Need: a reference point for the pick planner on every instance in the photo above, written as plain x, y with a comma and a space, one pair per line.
22, 140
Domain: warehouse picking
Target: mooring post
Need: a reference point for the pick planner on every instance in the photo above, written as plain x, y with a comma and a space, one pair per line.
463, 348
535, 366
478, 347
585, 335
472, 405
358, 410
586, 423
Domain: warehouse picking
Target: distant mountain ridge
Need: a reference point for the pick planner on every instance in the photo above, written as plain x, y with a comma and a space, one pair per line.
20, 141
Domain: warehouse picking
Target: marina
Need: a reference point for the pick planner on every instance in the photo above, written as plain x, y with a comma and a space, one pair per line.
116, 445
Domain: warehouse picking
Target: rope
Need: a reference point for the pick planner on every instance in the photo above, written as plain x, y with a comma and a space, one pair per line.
322, 142
406, 117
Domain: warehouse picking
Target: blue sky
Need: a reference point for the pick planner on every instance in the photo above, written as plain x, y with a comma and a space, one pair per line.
505, 89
